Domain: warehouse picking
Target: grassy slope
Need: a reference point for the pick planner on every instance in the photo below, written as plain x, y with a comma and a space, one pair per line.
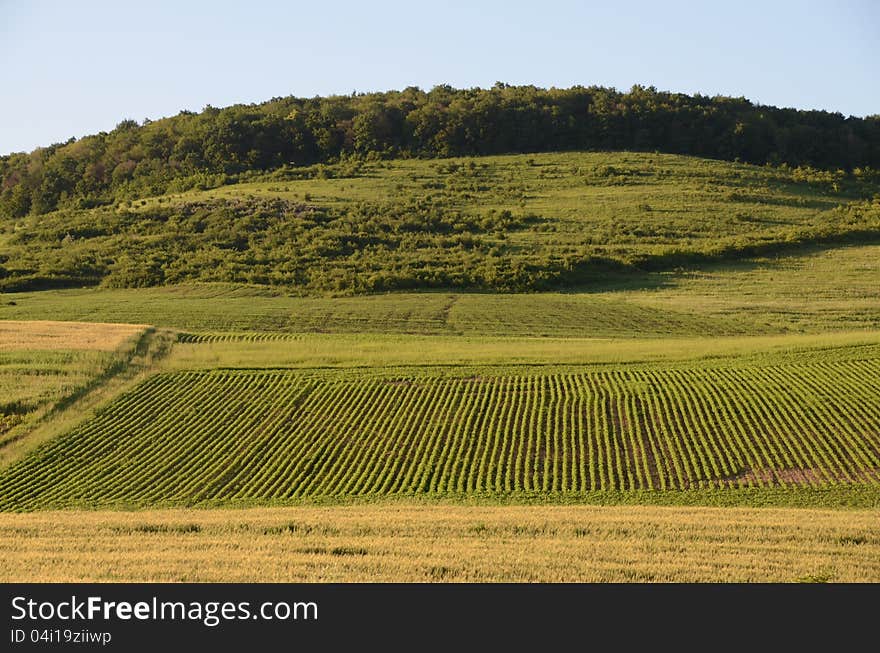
29, 380
617, 201
45, 364
49, 390
814, 291
626, 202
660, 210
211, 307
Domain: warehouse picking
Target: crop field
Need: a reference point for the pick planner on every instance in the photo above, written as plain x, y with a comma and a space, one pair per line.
65, 335
208, 307
31, 380
228, 436
428, 543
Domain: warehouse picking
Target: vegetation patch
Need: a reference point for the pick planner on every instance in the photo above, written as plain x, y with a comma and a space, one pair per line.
509, 223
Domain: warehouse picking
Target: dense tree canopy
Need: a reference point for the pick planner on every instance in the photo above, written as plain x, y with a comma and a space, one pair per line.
221, 145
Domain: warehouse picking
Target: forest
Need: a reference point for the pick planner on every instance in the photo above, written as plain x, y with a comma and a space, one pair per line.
222, 146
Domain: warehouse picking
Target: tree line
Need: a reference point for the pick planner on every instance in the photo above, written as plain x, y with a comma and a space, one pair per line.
217, 146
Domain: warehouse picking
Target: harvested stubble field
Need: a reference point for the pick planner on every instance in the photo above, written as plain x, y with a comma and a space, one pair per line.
45, 365
54, 335
443, 543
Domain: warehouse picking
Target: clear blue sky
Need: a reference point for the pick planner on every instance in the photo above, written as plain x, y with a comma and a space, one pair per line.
70, 68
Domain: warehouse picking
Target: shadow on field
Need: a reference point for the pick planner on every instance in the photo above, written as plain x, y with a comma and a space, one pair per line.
640, 279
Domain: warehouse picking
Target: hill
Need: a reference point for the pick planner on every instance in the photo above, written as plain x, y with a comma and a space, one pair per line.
505, 223
359, 339
219, 146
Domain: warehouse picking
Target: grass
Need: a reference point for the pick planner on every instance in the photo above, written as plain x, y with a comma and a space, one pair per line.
221, 308
617, 198
728, 358
45, 391
497, 223
474, 354
29, 379
418, 543
752, 297
816, 290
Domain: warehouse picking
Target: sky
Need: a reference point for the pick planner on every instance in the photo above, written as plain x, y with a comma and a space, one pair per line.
77, 68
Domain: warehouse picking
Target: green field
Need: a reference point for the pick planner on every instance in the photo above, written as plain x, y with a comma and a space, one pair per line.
801, 419
675, 386
47, 366
749, 297
30, 381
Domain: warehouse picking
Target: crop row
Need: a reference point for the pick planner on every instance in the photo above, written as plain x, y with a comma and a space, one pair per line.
253, 336
218, 436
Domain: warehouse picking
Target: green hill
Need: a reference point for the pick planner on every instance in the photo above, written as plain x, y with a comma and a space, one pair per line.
501, 223
218, 146
366, 324
509, 296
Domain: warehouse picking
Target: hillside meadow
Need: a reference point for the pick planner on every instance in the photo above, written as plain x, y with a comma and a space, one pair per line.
507, 223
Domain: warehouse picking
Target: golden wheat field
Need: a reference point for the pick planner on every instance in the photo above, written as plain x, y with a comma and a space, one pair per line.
46, 334
439, 542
